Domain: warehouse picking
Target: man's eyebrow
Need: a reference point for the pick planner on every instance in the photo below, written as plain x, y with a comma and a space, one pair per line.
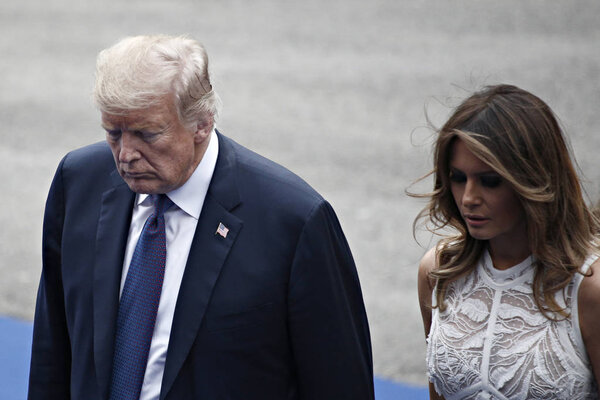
144, 126
148, 126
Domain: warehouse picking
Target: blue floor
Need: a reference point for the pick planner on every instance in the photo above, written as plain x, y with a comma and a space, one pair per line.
15, 339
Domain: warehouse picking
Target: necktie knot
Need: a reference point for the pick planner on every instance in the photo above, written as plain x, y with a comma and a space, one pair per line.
161, 203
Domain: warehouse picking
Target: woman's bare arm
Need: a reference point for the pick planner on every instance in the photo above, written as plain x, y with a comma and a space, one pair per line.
589, 316
425, 288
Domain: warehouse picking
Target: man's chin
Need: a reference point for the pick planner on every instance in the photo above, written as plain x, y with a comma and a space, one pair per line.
138, 186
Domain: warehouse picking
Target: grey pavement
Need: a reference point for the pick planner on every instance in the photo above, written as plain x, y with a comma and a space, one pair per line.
334, 90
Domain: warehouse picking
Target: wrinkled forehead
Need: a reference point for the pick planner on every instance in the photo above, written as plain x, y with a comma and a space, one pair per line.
159, 116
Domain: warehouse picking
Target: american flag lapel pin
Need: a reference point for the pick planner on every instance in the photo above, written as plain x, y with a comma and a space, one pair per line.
222, 230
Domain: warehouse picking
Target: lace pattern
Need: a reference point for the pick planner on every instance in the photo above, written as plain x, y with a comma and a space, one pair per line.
492, 342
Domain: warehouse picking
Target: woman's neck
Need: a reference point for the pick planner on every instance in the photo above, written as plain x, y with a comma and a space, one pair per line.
508, 253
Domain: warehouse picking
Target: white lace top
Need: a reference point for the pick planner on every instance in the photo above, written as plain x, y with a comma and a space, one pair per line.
492, 342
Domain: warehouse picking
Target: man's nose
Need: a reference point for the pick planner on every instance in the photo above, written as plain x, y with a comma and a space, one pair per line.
129, 151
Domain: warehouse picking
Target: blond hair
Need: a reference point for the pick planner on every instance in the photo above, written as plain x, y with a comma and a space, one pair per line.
137, 72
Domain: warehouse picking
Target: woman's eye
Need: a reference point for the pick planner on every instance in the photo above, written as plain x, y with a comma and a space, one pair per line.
491, 181
457, 177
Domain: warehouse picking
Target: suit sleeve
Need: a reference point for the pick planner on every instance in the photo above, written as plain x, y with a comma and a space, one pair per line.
49, 374
327, 318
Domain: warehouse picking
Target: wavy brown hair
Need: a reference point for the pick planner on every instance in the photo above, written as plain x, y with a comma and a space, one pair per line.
518, 136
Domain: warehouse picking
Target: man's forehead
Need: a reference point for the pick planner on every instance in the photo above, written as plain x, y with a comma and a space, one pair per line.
155, 116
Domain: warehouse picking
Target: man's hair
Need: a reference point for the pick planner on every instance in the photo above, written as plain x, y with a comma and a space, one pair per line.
138, 72
518, 136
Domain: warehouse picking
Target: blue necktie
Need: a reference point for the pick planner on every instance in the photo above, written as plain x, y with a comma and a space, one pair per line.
139, 304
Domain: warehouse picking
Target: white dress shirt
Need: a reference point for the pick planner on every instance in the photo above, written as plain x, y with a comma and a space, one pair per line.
180, 224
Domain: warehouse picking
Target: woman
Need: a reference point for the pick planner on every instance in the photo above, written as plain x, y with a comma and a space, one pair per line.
511, 301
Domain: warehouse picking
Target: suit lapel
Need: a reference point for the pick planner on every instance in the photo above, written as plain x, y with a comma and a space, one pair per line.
207, 255
111, 239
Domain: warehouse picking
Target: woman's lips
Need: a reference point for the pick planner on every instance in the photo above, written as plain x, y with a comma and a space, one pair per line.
475, 220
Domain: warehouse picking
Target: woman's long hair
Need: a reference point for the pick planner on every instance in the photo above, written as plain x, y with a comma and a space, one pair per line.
518, 136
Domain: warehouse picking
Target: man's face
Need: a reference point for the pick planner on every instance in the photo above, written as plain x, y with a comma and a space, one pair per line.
153, 151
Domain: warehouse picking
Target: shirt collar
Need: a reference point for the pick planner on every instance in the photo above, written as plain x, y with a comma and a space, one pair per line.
190, 196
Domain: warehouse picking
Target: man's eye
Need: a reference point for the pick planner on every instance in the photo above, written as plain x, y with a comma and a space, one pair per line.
491, 181
146, 136
113, 134
457, 177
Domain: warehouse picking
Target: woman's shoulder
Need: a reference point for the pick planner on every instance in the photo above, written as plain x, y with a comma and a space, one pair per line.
589, 291
426, 282
429, 261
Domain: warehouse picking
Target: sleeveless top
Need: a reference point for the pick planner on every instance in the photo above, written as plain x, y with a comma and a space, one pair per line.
492, 342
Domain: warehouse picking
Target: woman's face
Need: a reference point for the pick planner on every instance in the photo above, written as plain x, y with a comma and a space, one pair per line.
488, 204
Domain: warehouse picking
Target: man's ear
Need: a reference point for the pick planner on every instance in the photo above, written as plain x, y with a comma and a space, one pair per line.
203, 129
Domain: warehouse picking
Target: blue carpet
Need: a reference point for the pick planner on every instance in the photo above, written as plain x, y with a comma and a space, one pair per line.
15, 337
15, 351
387, 390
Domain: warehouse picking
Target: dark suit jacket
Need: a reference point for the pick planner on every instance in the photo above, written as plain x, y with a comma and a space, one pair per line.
272, 311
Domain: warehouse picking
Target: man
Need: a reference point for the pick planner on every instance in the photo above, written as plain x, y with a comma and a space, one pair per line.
238, 284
